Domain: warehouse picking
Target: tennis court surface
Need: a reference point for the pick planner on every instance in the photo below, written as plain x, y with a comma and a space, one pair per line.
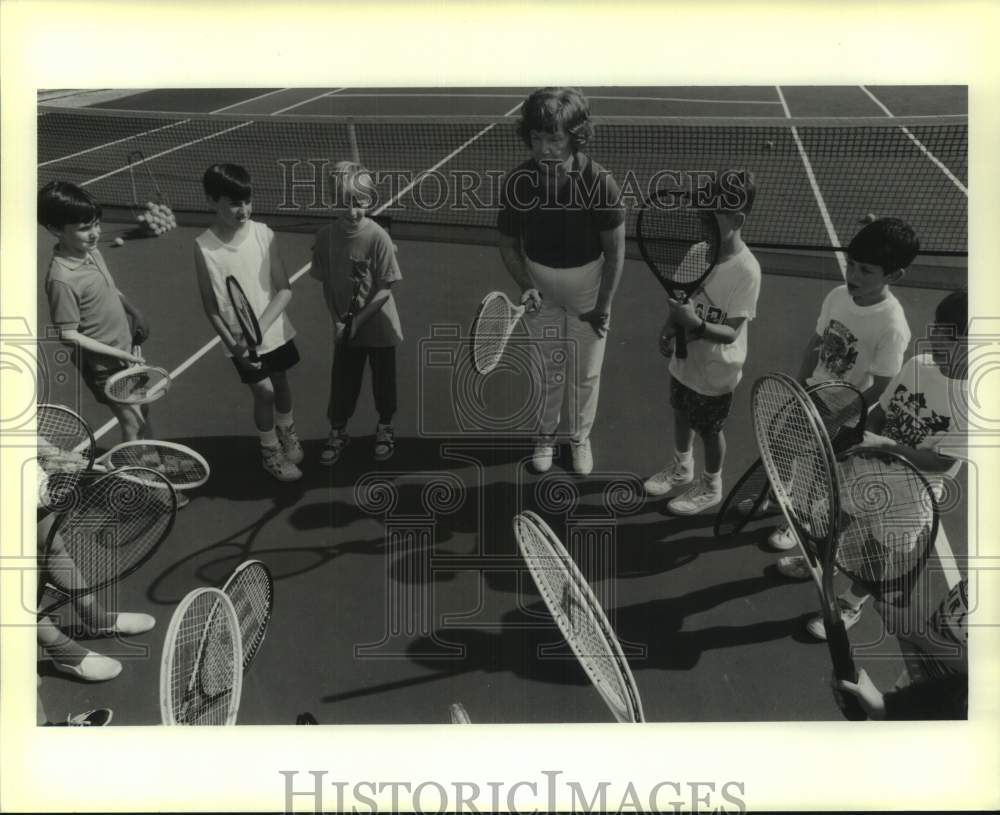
399, 589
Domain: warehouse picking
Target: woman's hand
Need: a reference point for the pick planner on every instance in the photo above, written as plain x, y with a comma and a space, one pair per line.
598, 321
531, 299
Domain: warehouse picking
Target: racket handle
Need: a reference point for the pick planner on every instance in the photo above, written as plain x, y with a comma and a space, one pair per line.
843, 668
680, 344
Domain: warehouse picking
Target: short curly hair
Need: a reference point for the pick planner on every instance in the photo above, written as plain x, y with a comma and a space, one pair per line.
549, 110
887, 242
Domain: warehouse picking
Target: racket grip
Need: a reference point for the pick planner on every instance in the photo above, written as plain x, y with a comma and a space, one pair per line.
843, 668
680, 344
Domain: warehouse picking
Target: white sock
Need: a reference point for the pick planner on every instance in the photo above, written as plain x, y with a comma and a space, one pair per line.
713, 479
283, 419
686, 458
268, 438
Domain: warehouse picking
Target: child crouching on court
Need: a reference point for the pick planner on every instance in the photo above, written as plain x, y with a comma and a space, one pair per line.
355, 261
236, 246
715, 320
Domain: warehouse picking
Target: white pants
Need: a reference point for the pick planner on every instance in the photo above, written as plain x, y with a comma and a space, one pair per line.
572, 354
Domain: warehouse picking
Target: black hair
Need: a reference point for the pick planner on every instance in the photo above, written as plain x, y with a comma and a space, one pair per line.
230, 180
886, 242
550, 110
61, 203
954, 310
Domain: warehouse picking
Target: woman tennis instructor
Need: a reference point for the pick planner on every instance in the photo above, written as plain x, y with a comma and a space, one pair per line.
562, 239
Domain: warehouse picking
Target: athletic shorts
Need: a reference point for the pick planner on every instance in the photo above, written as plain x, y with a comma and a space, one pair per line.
706, 414
273, 362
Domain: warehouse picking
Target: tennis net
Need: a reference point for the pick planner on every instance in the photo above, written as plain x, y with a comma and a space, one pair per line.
816, 177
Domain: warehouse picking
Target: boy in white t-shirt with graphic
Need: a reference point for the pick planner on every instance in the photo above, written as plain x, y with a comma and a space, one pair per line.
862, 333
715, 319
923, 417
235, 245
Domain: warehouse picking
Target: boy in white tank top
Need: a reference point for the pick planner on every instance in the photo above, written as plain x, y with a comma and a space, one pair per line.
236, 246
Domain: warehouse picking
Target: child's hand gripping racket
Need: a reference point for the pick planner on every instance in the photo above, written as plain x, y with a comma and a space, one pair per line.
139, 384
680, 245
246, 318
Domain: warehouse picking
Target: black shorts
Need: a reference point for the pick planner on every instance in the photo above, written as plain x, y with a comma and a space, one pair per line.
273, 362
706, 414
97, 370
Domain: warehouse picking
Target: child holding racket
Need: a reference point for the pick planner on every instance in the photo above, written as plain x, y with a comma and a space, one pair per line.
92, 315
239, 247
355, 261
862, 332
715, 320
922, 416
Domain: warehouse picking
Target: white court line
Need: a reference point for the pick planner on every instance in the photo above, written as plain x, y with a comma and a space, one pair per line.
305, 101
930, 156
111, 143
166, 152
246, 101
827, 222
208, 346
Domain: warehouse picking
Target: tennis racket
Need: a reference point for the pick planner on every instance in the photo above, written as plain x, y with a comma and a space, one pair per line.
888, 524
183, 467
245, 316
844, 413
251, 589
114, 526
200, 671
352, 309
491, 329
680, 245
579, 616
799, 459
139, 384
458, 713
65, 451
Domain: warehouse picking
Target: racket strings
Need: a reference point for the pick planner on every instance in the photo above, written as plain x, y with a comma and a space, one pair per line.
843, 412
252, 594
490, 332
586, 636
787, 438
180, 469
889, 516
203, 671
678, 243
115, 525
138, 385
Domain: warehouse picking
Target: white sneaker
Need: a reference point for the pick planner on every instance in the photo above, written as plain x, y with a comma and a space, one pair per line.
781, 539
850, 615
274, 463
290, 444
698, 497
583, 457
675, 474
541, 459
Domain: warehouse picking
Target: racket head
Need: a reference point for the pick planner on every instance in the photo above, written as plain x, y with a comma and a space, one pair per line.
843, 411
458, 713
491, 329
798, 458
678, 241
66, 450
138, 385
889, 520
183, 467
251, 589
245, 315
201, 678
579, 616
118, 523
746, 501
